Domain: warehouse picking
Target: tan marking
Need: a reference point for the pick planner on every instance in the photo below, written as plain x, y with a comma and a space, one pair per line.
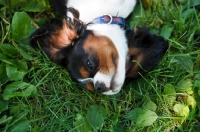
132, 66
84, 72
105, 49
53, 52
90, 86
64, 37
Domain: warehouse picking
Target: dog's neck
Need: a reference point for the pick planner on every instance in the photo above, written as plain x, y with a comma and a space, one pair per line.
108, 19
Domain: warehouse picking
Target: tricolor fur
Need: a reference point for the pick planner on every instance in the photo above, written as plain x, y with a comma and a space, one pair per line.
99, 56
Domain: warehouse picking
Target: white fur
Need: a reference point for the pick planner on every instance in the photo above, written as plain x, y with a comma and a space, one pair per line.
111, 92
116, 34
106, 79
91, 9
70, 15
86, 80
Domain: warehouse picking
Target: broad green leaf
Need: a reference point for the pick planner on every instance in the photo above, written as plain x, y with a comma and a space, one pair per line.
15, 2
21, 65
181, 110
17, 109
5, 59
3, 105
133, 114
191, 101
185, 85
9, 50
169, 94
17, 70
118, 128
197, 83
14, 74
197, 76
166, 31
150, 105
3, 76
188, 13
146, 118
169, 89
33, 6
142, 117
96, 115
17, 89
81, 124
2, 2
185, 61
25, 54
20, 126
194, 2
21, 25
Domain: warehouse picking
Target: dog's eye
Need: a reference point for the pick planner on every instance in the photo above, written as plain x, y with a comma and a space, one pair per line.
89, 64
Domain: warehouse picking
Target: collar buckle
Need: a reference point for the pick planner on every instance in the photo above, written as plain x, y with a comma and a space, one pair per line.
111, 18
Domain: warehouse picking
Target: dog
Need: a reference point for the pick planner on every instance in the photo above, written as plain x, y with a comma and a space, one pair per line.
91, 41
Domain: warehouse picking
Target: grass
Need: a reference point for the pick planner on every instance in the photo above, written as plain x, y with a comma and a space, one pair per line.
165, 99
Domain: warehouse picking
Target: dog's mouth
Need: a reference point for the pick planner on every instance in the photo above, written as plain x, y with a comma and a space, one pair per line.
100, 87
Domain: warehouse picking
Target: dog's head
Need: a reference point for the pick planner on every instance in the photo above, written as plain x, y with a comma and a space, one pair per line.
90, 58
93, 62
93, 59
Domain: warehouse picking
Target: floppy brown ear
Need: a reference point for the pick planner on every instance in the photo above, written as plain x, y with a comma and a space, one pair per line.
53, 37
145, 51
57, 36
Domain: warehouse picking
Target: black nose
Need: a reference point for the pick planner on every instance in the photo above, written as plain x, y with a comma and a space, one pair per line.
101, 87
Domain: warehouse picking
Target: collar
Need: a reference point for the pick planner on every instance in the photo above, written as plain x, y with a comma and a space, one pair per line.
108, 19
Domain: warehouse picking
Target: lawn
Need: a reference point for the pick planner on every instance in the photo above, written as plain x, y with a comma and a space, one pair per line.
39, 96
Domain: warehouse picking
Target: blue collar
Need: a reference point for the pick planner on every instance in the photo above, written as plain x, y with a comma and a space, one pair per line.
108, 19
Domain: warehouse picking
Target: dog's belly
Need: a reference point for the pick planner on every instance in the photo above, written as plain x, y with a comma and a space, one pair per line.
90, 9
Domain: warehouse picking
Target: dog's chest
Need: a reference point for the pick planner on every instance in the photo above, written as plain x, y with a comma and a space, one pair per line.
90, 9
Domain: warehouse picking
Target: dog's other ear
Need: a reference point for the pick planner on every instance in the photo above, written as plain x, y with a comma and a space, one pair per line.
70, 14
73, 21
145, 51
60, 6
55, 37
